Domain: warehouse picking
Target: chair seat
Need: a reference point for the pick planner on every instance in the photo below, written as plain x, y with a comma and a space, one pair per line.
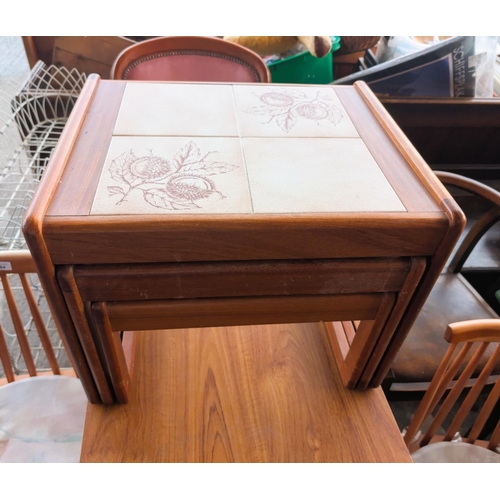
42, 419
455, 453
452, 299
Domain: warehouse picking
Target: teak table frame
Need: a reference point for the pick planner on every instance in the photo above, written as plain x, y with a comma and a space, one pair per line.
366, 274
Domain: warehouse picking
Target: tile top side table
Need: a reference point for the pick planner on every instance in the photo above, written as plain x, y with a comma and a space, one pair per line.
178, 205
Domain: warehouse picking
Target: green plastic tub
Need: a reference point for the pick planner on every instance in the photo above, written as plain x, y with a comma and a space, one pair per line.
304, 67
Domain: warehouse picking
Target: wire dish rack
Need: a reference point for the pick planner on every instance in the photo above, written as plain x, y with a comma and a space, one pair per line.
28, 134
32, 117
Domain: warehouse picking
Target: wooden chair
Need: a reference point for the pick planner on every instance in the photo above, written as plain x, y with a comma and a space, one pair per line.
42, 417
468, 339
189, 58
452, 299
18, 264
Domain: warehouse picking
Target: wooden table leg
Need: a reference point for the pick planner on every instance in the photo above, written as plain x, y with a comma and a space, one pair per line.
113, 351
352, 354
404, 296
84, 331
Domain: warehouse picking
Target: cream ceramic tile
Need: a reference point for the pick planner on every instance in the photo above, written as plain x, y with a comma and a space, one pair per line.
316, 175
177, 110
171, 175
289, 111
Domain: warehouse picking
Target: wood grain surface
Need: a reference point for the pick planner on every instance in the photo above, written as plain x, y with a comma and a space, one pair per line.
242, 394
193, 313
187, 238
196, 313
89, 54
435, 266
378, 140
233, 279
83, 168
403, 299
90, 344
32, 229
462, 133
60, 232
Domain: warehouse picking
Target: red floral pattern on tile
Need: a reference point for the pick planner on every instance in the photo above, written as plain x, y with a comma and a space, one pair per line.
172, 184
285, 107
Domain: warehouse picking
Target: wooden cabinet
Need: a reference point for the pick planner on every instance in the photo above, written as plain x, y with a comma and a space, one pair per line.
86, 54
462, 136
172, 205
459, 135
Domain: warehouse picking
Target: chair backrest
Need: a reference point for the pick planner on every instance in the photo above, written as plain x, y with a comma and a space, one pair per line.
189, 58
468, 336
16, 268
482, 225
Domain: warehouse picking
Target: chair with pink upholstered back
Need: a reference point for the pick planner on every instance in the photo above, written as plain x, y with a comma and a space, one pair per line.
189, 58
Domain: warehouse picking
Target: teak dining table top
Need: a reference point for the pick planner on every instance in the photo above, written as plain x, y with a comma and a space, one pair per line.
241, 394
177, 205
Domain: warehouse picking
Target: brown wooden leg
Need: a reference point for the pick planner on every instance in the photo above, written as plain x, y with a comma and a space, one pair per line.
129, 343
434, 267
352, 354
77, 311
35, 239
404, 297
113, 351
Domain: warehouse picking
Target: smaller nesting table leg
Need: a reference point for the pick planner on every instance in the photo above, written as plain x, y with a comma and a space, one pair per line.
76, 308
113, 352
352, 352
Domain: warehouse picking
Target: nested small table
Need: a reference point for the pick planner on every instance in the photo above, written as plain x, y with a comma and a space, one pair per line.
178, 205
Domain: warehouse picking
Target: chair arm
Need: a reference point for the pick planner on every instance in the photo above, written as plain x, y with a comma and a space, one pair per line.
482, 225
470, 185
475, 330
17, 262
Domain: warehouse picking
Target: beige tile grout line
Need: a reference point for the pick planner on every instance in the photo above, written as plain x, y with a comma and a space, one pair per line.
242, 150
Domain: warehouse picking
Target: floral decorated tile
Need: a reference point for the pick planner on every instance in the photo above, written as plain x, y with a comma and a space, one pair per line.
170, 175
300, 175
281, 111
177, 110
